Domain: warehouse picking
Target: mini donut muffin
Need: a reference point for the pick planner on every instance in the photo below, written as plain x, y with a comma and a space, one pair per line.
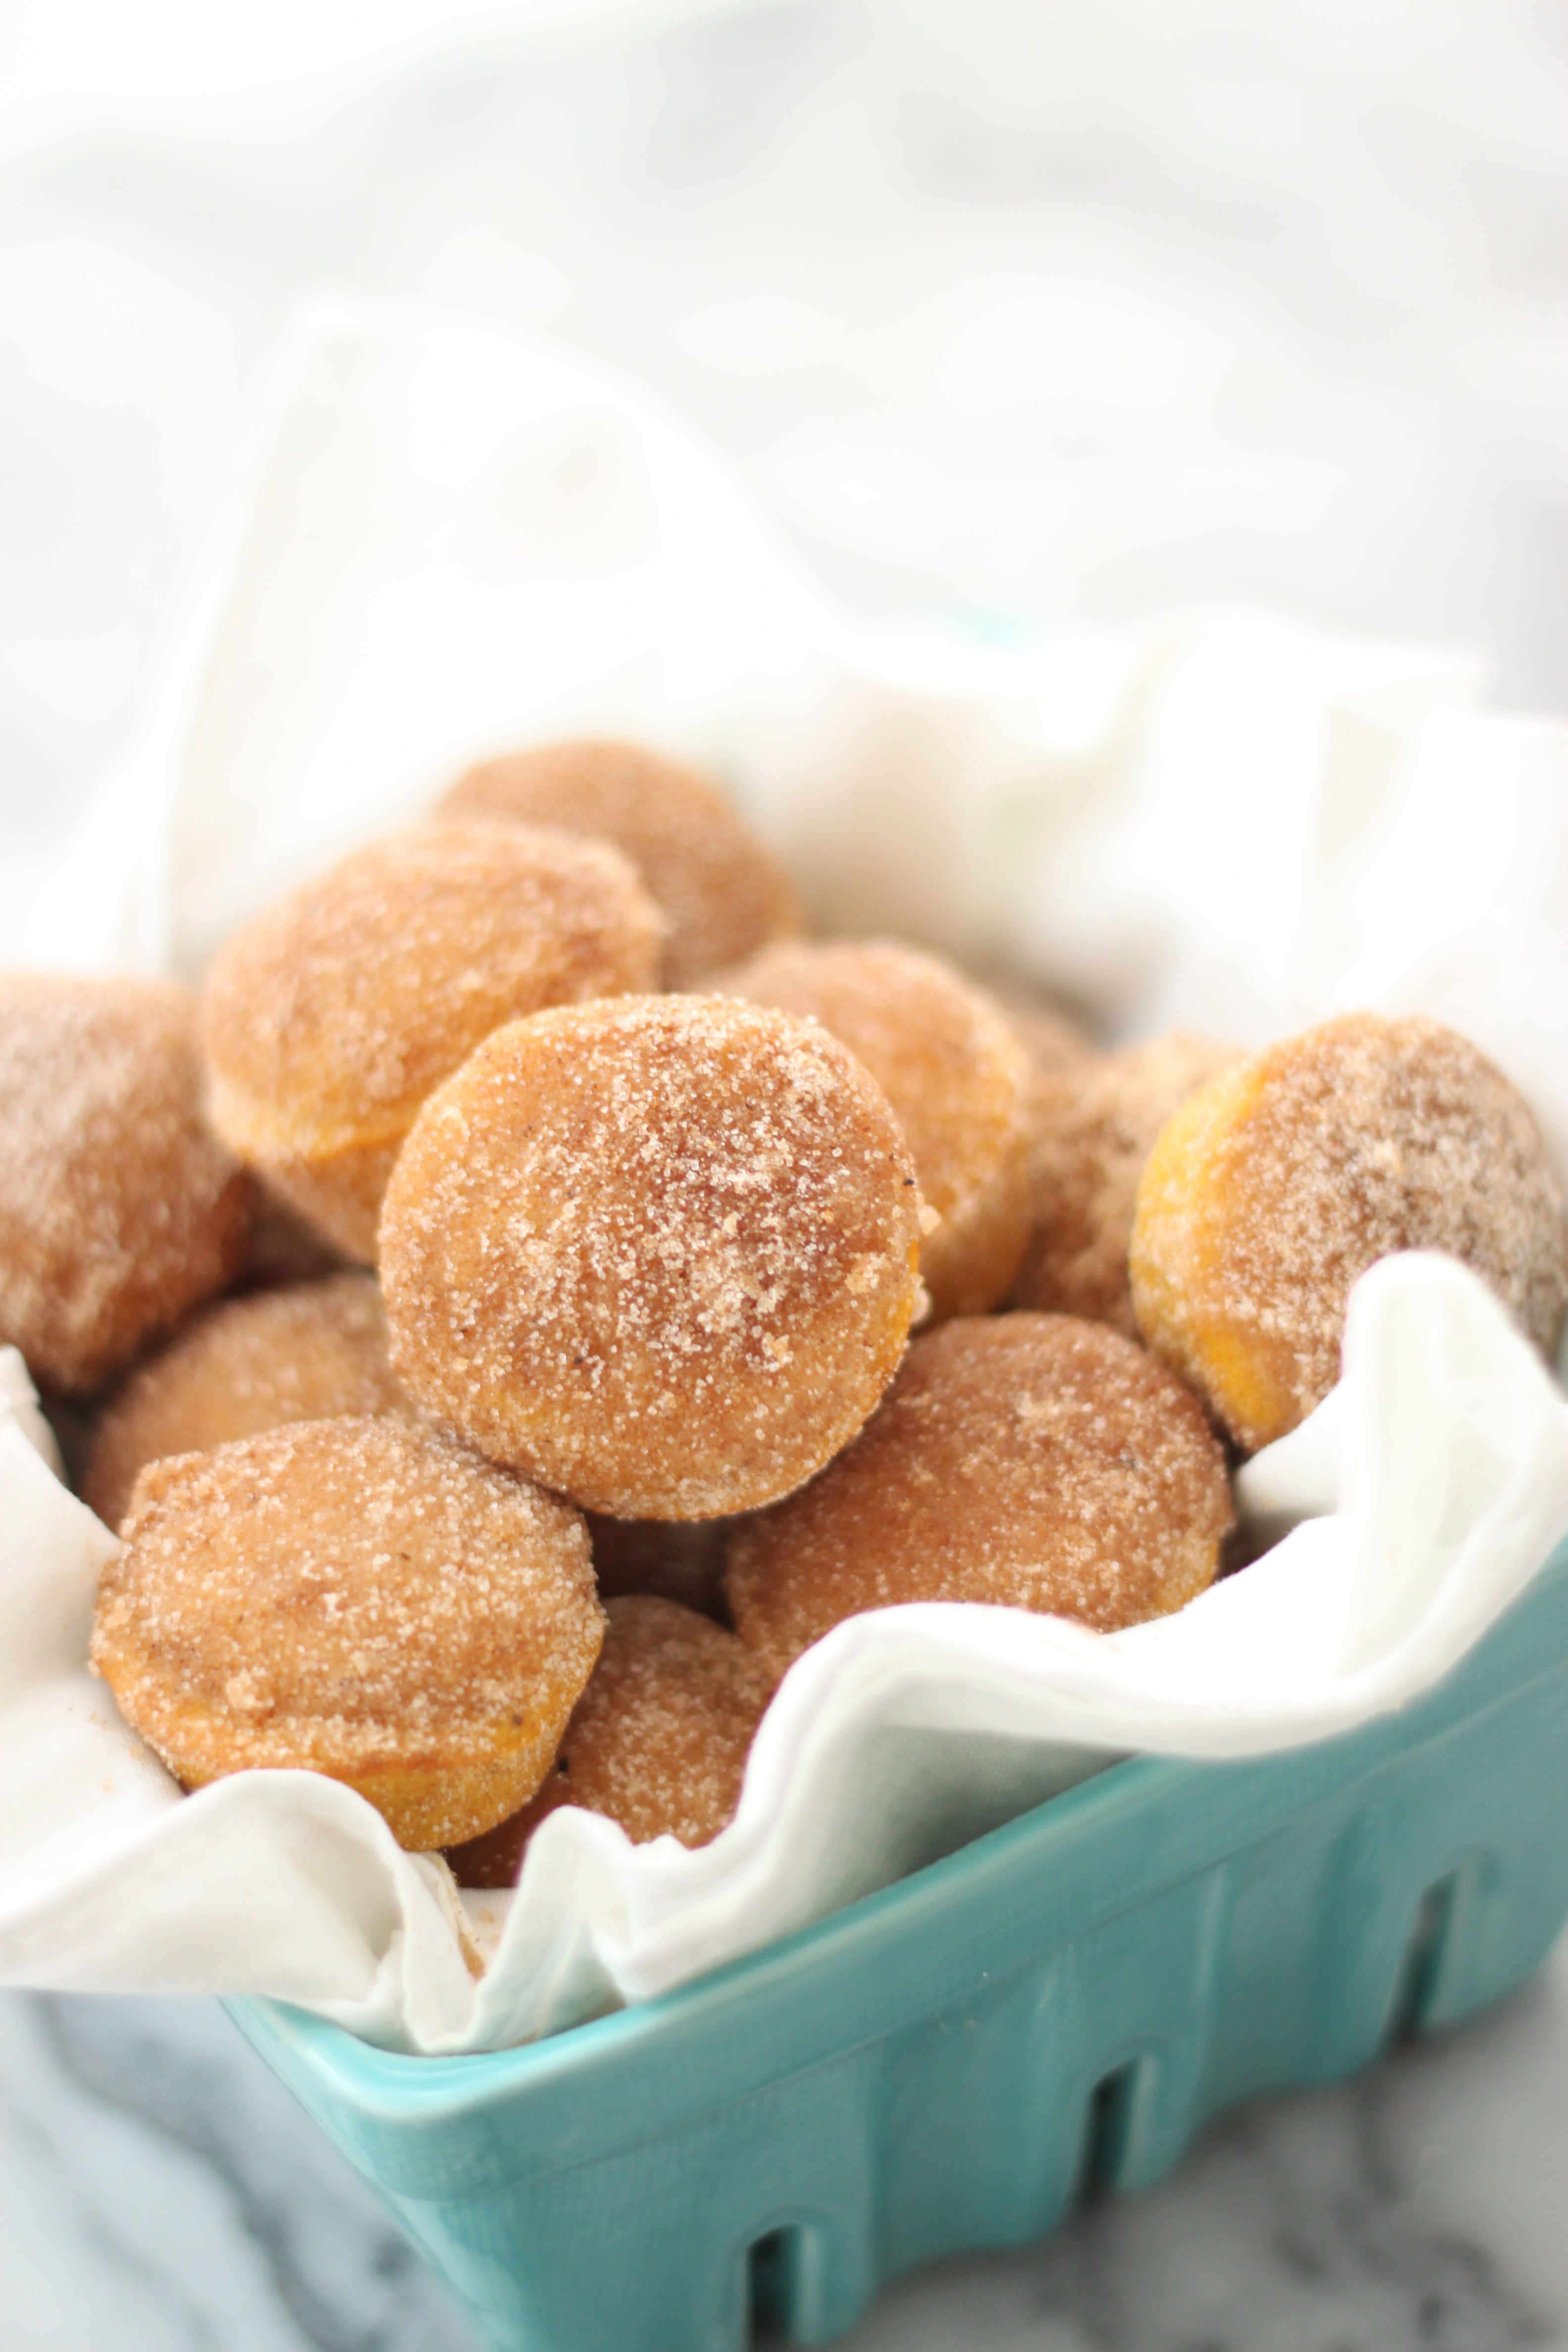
1029, 1461
948, 1060
659, 1253
250, 1364
357, 1598
1272, 1190
682, 1560
1094, 1125
722, 892
120, 1211
331, 1016
658, 1741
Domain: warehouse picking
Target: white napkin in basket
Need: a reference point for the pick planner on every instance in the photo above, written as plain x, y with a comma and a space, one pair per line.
450, 544
1440, 1467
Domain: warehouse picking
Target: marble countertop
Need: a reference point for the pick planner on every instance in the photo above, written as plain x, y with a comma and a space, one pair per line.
1013, 316
161, 2192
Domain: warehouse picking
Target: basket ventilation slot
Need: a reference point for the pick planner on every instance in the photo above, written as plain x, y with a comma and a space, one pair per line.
1106, 2129
770, 2263
1417, 1985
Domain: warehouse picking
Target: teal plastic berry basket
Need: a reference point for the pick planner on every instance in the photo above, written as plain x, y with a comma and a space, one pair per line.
945, 2065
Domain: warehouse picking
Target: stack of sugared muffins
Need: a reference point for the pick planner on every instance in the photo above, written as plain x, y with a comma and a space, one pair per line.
529, 1218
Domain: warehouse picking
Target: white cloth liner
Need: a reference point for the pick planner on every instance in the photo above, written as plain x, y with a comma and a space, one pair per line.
450, 543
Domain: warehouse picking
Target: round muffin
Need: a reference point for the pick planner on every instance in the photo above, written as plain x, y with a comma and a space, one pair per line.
658, 1741
658, 1253
1274, 1189
330, 1017
120, 1211
306, 1353
722, 894
355, 1597
1028, 1461
1094, 1123
948, 1061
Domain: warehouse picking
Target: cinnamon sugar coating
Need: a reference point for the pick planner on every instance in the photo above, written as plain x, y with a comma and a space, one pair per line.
330, 1016
1274, 1189
658, 1741
1029, 1461
1094, 1123
356, 1598
659, 1253
120, 1211
722, 892
948, 1060
306, 1353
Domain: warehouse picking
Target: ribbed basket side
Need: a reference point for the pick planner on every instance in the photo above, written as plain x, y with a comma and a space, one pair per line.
952, 2064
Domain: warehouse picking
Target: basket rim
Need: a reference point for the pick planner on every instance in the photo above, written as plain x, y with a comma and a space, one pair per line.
868, 1954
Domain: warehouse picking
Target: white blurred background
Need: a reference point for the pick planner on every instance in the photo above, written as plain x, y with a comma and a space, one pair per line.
1012, 313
